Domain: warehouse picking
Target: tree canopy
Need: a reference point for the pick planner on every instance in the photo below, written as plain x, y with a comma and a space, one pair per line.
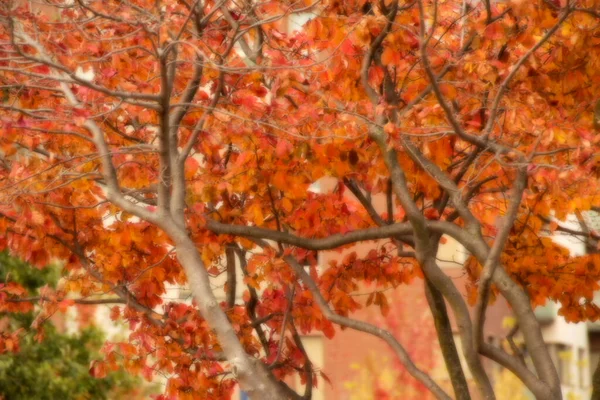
155, 143
54, 365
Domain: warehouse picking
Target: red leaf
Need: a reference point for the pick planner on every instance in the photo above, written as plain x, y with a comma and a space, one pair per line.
42, 69
328, 329
98, 369
283, 148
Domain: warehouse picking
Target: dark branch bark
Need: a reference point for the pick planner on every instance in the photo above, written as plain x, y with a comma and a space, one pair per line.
329, 242
231, 275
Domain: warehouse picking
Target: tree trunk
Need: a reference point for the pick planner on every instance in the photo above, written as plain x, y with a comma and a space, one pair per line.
251, 374
446, 339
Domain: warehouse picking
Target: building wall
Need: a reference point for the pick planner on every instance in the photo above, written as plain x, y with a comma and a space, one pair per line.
570, 343
569, 347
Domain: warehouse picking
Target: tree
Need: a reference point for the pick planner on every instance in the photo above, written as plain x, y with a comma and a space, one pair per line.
158, 142
53, 365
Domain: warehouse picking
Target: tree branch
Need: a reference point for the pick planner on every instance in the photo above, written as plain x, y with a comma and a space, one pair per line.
494, 256
326, 243
446, 340
231, 275
367, 328
76, 301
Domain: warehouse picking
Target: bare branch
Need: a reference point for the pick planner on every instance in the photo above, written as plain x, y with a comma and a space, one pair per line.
329, 242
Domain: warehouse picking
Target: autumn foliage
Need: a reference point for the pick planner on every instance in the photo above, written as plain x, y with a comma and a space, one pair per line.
150, 144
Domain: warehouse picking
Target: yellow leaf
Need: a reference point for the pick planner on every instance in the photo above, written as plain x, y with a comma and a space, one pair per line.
508, 322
